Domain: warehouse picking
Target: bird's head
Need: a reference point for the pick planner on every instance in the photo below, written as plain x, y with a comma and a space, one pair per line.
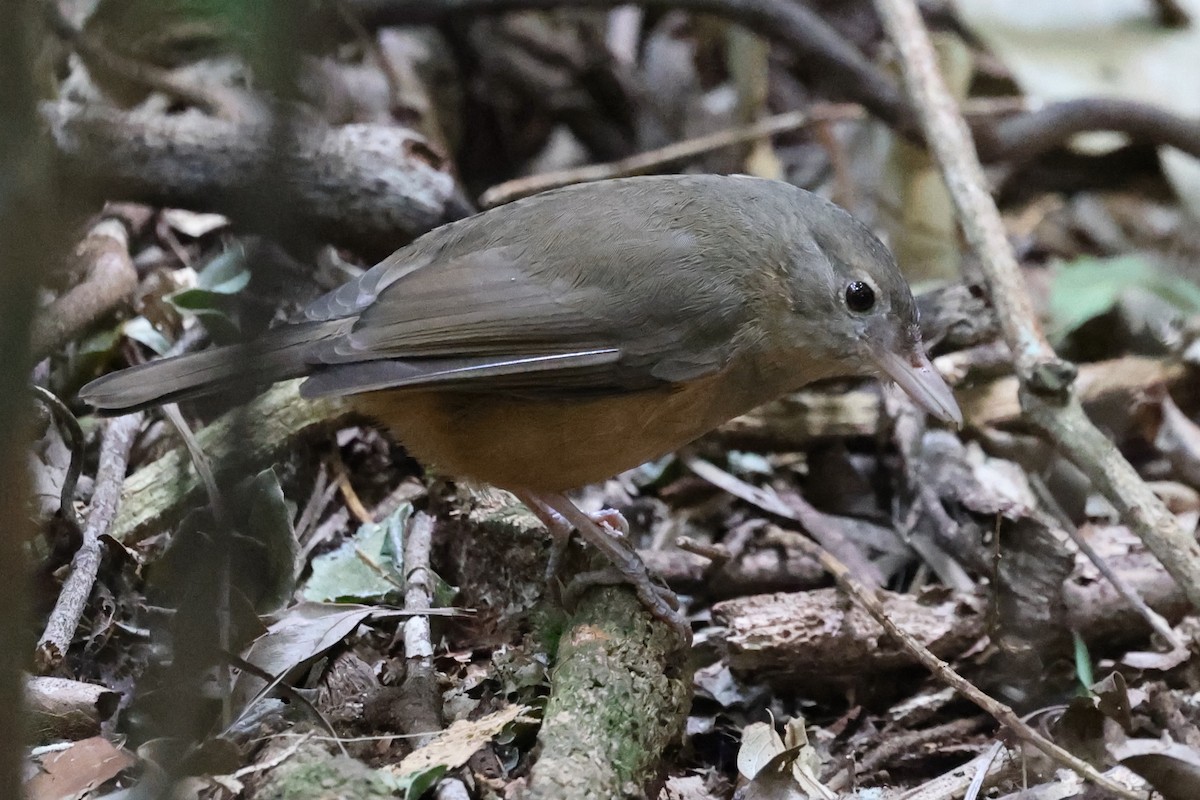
851, 303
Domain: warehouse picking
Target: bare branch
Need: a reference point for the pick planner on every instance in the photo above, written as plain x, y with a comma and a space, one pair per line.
1047, 395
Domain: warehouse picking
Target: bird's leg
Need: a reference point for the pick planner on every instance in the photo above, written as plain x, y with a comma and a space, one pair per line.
610, 519
627, 566
559, 528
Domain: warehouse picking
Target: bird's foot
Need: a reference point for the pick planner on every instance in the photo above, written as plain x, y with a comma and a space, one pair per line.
659, 600
608, 519
605, 531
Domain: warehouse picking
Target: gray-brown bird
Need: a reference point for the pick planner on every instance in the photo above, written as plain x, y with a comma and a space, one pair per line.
563, 338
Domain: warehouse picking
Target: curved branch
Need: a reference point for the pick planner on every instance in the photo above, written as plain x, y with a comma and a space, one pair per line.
1024, 136
834, 67
367, 186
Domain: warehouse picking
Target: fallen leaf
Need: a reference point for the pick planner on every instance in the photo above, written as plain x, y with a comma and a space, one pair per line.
194, 223
77, 770
454, 746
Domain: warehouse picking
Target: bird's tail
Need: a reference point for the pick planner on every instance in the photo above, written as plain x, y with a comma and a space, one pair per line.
280, 354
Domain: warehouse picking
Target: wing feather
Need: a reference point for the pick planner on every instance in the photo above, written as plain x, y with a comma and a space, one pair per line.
517, 303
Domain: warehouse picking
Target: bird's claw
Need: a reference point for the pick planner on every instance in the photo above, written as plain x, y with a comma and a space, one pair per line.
608, 519
658, 600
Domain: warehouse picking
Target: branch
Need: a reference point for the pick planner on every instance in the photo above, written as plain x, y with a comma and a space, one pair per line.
419, 697
63, 709
161, 492
1024, 136
365, 186
116, 443
868, 601
1047, 396
111, 279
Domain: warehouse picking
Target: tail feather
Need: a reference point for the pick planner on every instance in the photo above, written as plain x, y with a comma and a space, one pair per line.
279, 355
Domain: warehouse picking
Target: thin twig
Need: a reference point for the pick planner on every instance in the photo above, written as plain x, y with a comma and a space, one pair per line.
1152, 617
944, 673
115, 446
350, 497
420, 684
200, 461
821, 527
654, 160
1046, 381
651, 160
421, 693
69, 423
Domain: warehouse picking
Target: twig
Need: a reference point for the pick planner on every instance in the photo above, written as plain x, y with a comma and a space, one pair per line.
1152, 617
160, 493
367, 186
350, 497
651, 160
318, 500
62, 709
1046, 396
820, 526
119, 434
420, 693
943, 672
66, 496
110, 280
420, 690
200, 462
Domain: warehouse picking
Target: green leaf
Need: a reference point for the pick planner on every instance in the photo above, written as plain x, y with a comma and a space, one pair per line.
100, 343
1083, 664
414, 784
142, 330
1089, 287
368, 567
226, 273
269, 526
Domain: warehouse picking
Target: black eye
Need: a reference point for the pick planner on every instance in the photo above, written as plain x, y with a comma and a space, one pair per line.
860, 296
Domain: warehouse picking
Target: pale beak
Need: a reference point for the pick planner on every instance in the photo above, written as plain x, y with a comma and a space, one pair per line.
920, 379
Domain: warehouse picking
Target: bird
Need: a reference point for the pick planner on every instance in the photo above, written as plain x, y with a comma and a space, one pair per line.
560, 339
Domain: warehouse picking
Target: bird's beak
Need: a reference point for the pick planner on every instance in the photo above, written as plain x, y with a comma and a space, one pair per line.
917, 376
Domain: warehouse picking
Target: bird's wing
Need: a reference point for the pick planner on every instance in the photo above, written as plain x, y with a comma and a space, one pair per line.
503, 319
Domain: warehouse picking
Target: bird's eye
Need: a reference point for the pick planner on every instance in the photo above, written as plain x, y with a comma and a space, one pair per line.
859, 296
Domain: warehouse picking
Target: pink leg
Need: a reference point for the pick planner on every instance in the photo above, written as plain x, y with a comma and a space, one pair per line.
560, 515
610, 519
